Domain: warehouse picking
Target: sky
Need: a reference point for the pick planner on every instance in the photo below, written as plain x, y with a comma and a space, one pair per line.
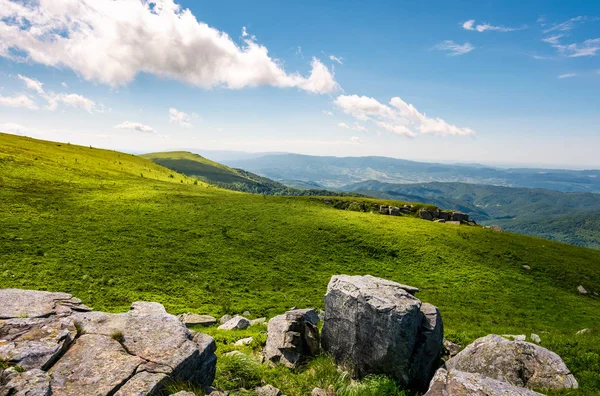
497, 82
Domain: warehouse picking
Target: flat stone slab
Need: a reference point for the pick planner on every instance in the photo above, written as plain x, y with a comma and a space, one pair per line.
191, 319
17, 303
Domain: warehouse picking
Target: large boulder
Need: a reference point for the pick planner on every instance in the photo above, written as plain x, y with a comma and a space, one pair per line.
97, 353
376, 326
238, 322
192, 319
292, 337
460, 383
460, 216
519, 363
425, 214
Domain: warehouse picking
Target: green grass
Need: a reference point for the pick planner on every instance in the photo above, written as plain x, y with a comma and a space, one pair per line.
85, 221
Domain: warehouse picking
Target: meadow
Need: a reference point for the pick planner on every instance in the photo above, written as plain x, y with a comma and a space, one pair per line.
113, 228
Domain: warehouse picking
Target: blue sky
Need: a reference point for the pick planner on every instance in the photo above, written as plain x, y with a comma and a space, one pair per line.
499, 82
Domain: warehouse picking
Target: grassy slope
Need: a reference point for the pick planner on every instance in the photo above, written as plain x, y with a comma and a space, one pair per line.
84, 221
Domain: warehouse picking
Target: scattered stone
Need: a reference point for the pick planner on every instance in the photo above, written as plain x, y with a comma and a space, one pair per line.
519, 363
535, 338
323, 392
268, 390
225, 318
460, 383
257, 321
246, 313
292, 337
583, 331
425, 214
581, 290
243, 341
526, 267
451, 348
376, 326
237, 322
191, 319
519, 337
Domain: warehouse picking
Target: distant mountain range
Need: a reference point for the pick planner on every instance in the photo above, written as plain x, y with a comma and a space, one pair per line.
337, 172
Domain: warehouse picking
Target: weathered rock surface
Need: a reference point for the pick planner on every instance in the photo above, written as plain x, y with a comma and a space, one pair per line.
451, 349
237, 322
191, 319
292, 337
29, 383
519, 363
460, 383
97, 353
460, 216
268, 390
376, 326
425, 214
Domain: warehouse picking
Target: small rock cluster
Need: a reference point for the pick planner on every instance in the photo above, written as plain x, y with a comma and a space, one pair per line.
58, 346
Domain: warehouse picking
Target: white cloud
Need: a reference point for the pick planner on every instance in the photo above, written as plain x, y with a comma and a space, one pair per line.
399, 117
112, 41
64, 84
136, 126
588, 47
567, 25
453, 48
18, 101
336, 59
356, 139
554, 40
470, 25
32, 84
73, 100
13, 128
567, 75
179, 117
327, 112
355, 127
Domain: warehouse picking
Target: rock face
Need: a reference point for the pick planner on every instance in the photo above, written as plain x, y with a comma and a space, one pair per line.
376, 326
519, 363
76, 351
237, 322
460, 383
292, 337
460, 216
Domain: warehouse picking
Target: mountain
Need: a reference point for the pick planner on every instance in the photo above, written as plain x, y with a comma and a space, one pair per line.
113, 228
567, 217
335, 172
212, 172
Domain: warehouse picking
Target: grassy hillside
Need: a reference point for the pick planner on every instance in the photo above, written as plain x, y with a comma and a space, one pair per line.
112, 228
567, 217
196, 166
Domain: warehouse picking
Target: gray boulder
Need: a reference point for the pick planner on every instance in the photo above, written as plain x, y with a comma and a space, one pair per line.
268, 390
394, 211
237, 322
225, 318
460, 383
292, 337
383, 209
17, 303
460, 216
443, 215
376, 326
29, 383
192, 319
451, 349
425, 214
519, 363
258, 321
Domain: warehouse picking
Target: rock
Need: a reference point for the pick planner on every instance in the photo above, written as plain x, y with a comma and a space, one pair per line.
451, 348
394, 211
535, 338
243, 341
246, 313
268, 390
383, 209
443, 215
29, 383
439, 221
460, 216
376, 326
583, 331
258, 321
425, 214
526, 267
225, 318
460, 383
519, 363
292, 337
237, 322
496, 228
520, 337
191, 319
183, 393
581, 290
323, 392
17, 303
132, 353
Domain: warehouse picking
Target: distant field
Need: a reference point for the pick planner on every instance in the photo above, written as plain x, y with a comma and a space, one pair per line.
112, 228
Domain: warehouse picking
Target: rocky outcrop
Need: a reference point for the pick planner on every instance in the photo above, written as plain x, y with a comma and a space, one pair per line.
292, 337
425, 214
97, 353
460, 383
519, 363
376, 326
